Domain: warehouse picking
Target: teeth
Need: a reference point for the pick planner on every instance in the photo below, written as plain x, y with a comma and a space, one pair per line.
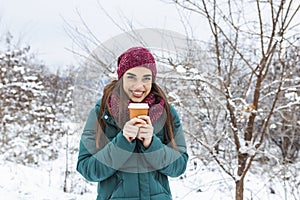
138, 93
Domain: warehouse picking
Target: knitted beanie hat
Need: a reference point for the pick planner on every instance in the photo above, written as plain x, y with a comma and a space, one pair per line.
135, 57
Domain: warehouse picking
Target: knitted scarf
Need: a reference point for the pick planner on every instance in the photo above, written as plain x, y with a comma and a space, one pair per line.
156, 107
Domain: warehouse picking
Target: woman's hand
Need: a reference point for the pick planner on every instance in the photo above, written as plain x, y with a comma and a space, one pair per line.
131, 128
145, 131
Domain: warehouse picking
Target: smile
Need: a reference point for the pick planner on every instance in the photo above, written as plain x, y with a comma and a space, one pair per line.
137, 94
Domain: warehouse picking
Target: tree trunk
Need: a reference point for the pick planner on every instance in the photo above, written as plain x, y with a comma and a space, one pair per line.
239, 189
67, 163
239, 184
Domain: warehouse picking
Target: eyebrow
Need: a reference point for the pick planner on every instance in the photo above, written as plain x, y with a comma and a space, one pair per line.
128, 73
131, 74
147, 75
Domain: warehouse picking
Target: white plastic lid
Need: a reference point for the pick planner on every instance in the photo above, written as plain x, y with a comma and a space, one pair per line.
138, 105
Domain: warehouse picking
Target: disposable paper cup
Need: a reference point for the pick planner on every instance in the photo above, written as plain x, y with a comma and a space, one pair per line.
137, 109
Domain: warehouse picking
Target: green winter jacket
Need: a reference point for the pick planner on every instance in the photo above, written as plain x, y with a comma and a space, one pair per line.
126, 170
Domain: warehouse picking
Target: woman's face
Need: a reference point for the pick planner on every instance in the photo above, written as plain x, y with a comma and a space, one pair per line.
137, 83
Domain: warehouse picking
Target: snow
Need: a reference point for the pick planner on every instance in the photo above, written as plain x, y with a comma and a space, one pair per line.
181, 69
31, 78
200, 181
21, 182
273, 126
250, 150
28, 142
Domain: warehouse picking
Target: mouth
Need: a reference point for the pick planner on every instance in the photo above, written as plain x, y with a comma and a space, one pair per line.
137, 94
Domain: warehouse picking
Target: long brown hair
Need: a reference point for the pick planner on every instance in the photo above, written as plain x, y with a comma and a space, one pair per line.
115, 85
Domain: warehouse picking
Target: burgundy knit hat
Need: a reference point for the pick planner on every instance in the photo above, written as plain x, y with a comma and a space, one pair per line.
134, 57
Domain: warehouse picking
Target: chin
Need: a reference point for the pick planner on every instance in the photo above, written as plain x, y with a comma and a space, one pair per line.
137, 100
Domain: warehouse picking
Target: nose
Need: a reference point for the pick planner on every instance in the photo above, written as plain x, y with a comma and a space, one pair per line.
139, 85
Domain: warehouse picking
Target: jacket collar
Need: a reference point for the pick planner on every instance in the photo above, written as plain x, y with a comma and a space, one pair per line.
108, 118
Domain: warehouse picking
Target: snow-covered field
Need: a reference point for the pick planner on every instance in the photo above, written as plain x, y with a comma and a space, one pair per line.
202, 180
46, 182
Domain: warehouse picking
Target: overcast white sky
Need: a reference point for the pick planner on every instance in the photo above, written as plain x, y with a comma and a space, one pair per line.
40, 24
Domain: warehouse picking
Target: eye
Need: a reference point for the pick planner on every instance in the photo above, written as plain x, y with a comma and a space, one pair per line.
147, 78
131, 77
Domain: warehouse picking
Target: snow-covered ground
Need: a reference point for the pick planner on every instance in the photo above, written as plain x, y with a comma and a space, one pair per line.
202, 180
46, 182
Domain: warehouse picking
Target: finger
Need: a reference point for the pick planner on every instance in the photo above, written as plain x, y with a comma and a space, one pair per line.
140, 138
131, 129
137, 121
144, 135
146, 130
132, 136
141, 126
146, 118
130, 133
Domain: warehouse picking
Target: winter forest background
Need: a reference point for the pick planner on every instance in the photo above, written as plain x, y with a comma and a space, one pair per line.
238, 96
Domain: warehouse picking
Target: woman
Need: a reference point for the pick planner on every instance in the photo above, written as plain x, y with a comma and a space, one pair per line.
131, 159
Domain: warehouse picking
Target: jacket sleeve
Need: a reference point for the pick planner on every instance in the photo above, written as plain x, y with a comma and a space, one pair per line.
98, 165
163, 157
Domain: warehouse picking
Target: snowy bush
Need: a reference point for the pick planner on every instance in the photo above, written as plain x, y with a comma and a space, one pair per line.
33, 105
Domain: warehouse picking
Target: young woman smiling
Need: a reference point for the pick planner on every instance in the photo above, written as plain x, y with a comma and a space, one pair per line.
131, 159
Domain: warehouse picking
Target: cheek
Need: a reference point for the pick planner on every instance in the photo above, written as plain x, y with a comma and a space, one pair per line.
126, 85
148, 88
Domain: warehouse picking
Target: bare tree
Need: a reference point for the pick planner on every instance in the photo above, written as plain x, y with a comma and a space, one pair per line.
233, 90
241, 95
